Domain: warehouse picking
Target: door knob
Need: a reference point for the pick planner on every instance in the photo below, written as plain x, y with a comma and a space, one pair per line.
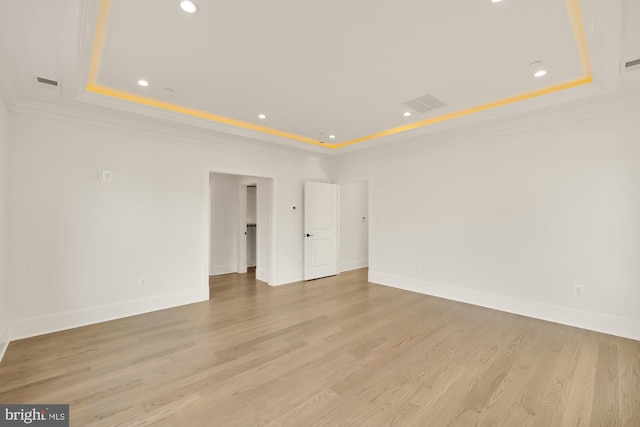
309, 235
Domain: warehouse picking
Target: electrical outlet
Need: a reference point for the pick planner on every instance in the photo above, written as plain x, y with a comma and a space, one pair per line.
578, 290
142, 281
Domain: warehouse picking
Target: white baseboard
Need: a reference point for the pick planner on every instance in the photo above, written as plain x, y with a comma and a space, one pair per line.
290, 277
223, 269
627, 328
4, 341
354, 265
62, 321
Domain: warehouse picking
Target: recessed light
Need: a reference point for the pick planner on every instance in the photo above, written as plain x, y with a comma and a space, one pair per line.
188, 6
407, 114
332, 137
262, 116
538, 69
143, 83
496, 1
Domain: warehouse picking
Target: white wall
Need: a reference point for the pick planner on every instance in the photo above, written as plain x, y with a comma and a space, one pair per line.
354, 224
514, 221
224, 223
79, 245
4, 145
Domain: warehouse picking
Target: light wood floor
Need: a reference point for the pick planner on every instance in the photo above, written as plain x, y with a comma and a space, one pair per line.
330, 352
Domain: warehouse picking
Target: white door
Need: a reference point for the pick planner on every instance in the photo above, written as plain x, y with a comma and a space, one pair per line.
320, 230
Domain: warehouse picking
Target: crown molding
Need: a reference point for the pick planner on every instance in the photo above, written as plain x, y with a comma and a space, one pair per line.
194, 135
196, 123
569, 112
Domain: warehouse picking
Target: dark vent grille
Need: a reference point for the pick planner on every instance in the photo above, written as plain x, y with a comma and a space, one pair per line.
424, 103
47, 81
633, 63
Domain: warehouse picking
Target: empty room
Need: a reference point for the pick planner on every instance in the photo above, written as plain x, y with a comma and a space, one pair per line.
320, 213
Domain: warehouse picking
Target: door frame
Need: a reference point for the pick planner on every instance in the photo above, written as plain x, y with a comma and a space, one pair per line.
270, 193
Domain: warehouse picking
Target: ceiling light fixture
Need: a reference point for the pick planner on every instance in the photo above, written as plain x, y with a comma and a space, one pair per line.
262, 116
143, 83
332, 137
538, 69
188, 6
407, 114
496, 1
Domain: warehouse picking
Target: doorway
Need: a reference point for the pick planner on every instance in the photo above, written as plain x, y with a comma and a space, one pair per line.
349, 247
228, 201
354, 225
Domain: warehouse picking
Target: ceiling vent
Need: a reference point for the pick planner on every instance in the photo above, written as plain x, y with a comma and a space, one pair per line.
46, 83
424, 103
632, 65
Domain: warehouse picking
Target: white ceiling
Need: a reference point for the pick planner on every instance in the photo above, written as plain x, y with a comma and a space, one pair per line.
315, 68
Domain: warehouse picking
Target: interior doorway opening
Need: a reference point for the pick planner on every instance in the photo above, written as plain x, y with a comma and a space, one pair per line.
324, 210
354, 224
240, 225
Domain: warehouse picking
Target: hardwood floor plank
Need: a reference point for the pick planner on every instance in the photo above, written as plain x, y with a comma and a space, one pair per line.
579, 405
503, 406
391, 389
372, 383
483, 376
629, 374
606, 400
299, 410
330, 352
553, 401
